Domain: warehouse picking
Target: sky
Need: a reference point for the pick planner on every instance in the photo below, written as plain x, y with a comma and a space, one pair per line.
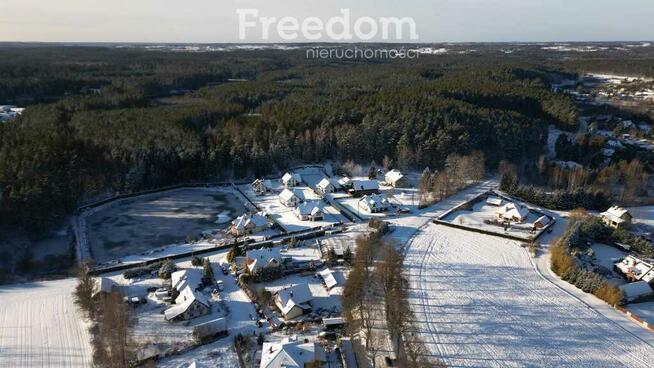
217, 21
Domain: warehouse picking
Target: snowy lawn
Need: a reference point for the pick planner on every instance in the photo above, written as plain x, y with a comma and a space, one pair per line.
41, 327
644, 310
479, 302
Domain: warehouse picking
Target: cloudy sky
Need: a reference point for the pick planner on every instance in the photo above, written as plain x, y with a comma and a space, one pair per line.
217, 20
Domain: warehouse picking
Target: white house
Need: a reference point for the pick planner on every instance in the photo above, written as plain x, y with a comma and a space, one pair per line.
374, 203
293, 301
191, 277
309, 211
364, 187
512, 212
345, 182
188, 305
396, 179
291, 353
257, 259
326, 186
249, 224
616, 217
261, 186
288, 198
291, 180
636, 290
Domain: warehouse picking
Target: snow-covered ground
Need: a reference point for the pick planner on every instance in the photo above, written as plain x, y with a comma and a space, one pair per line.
285, 216
41, 327
480, 302
643, 215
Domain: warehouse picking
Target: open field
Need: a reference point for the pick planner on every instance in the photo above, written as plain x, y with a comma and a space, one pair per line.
140, 224
41, 327
480, 302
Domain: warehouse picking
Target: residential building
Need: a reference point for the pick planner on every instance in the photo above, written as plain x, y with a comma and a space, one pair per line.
309, 211
257, 259
635, 269
211, 328
289, 198
364, 187
512, 212
291, 353
249, 224
291, 180
189, 304
374, 203
542, 222
328, 278
616, 217
396, 179
191, 277
294, 301
494, 201
261, 186
326, 186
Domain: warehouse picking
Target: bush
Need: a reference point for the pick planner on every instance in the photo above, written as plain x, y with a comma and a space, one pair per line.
610, 294
196, 261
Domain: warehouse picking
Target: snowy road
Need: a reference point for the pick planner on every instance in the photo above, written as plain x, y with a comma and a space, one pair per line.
40, 326
480, 303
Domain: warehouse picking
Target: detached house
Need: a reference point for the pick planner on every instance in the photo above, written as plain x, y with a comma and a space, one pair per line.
396, 179
291, 180
326, 186
309, 211
292, 354
257, 259
294, 301
249, 224
616, 217
261, 187
288, 198
364, 187
512, 212
374, 203
188, 305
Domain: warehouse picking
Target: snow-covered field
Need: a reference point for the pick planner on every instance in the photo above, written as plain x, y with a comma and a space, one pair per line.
645, 311
41, 327
480, 302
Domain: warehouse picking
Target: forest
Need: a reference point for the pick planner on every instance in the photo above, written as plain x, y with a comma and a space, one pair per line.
102, 120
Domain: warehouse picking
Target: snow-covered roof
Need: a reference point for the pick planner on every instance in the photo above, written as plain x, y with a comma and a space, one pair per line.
328, 277
544, 220
334, 321
374, 201
635, 267
616, 214
195, 364
312, 208
287, 194
495, 201
189, 277
290, 354
244, 221
512, 210
262, 257
324, 184
293, 295
183, 301
288, 176
365, 185
344, 181
393, 176
266, 183
636, 289
210, 328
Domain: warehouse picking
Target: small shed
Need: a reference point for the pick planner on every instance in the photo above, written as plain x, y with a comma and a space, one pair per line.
636, 290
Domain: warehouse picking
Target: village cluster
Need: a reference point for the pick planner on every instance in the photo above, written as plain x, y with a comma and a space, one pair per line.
278, 283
